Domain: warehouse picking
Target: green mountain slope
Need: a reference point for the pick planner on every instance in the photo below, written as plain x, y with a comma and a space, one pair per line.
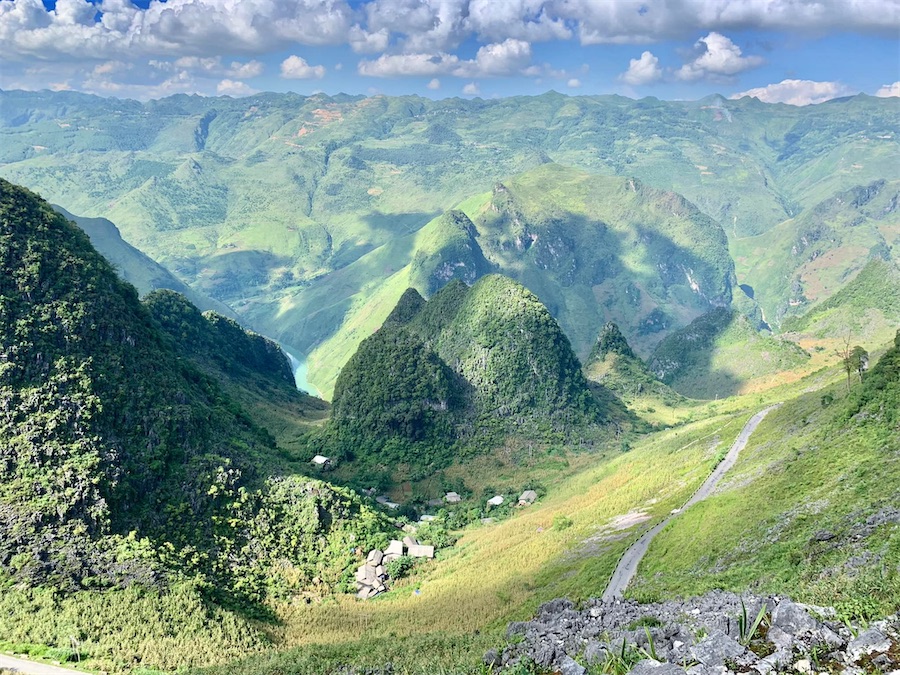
458, 372
807, 259
810, 510
300, 212
718, 352
592, 248
135, 267
124, 464
868, 306
252, 369
613, 364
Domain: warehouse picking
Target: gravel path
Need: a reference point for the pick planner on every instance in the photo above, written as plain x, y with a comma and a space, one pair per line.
628, 565
33, 667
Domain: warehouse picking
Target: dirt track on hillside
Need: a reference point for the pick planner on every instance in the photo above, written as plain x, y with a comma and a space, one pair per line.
628, 565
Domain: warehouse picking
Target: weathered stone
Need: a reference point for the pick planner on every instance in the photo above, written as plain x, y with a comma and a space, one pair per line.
421, 551
715, 648
828, 637
388, 557
569, 666
361, 573
409, 541
701, 669
594, 653
803, 666
544, 654
380, 571
491, 659
395, 548
824, 535
370, 572
792, 618
779, 638
652, 667
868, 642
375, 557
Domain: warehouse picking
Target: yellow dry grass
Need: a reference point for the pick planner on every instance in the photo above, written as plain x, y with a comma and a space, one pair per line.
491, 575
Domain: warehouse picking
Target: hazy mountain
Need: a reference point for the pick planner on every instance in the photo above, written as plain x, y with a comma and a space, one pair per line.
135, 267
807, 259
296, 211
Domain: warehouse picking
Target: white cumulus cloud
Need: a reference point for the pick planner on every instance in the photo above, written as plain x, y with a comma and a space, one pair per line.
234, 88
798, 92
434, 84
573, 83
716, 57
393, 65
471, 89
889, 90
509, 57
644, 70
296, 68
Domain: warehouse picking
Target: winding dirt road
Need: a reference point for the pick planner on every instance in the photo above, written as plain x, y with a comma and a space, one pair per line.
628, 565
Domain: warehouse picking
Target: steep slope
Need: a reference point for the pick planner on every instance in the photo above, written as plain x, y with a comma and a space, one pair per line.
264, 203
252, 369
613, 364
718, 353
810, 509
135, 267
868, 307
592, 248
809, 258
122, 463
461, 371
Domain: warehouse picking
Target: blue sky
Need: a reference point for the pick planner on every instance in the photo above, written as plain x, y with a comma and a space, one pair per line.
794, 51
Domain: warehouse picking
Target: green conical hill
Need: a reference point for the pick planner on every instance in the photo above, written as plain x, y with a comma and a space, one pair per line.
503, 341
471, 364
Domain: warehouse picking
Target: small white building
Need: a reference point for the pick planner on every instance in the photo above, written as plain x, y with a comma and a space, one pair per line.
322, 461
527, 497
496, 500
452, 498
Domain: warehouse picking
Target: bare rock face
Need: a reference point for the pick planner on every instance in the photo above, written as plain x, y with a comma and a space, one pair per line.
706, 635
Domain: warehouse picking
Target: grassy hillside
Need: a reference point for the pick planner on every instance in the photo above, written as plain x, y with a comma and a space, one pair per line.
805, 260
300, 212
810, 509
718, 353
614, 365
867, 307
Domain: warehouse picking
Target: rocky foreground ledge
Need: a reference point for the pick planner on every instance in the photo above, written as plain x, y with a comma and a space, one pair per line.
715, 634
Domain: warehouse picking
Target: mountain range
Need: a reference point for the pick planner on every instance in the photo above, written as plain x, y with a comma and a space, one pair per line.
309, 216
541, 323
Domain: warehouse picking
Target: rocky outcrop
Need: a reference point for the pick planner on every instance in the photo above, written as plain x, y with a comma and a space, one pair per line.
713, 634
373, 575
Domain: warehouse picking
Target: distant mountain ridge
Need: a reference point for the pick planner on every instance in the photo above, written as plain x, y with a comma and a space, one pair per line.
135, 267
301, 213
